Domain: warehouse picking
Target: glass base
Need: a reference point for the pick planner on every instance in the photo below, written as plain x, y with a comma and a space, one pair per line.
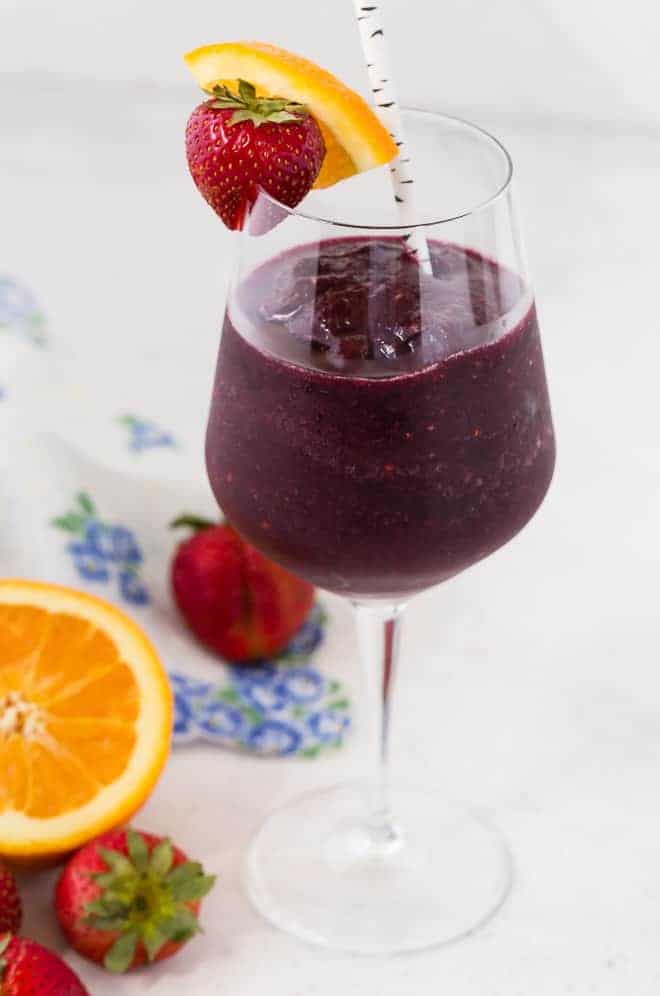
316, 870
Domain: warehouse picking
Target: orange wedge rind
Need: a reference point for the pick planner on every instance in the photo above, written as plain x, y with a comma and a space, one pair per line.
355, 138
85, 719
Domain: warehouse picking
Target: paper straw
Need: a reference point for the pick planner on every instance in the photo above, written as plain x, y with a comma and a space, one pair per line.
374, 46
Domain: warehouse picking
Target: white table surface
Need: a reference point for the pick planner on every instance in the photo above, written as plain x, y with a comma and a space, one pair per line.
530, 685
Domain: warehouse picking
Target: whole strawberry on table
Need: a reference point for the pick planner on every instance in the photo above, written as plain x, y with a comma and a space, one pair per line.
28, 969
129, 898
237, 602
124, 899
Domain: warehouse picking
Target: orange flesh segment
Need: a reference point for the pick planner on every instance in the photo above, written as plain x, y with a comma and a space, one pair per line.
57, 782
101, 746
87, 702
337, 164
15, 774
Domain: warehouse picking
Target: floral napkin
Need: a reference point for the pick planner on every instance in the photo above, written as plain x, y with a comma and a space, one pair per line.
87, 494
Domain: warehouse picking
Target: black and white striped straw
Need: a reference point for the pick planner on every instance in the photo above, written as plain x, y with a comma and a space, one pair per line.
374, 45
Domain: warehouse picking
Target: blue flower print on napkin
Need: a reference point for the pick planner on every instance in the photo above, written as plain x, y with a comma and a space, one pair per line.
102, 552
308, 638
276, 708
89, 564
131, 587
275, 737
20, 312
329, 724
143, 434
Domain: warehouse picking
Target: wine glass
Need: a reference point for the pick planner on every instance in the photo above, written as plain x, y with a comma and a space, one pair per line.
379, 423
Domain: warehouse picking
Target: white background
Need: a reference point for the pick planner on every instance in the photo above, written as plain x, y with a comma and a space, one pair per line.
573, 56
531, 684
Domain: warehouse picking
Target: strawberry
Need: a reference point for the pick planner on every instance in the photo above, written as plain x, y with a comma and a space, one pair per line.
128, 898
237, 602
237, 143
11, 910
27, 969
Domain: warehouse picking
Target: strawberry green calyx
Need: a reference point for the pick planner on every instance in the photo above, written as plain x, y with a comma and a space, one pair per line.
195, 522
145, 898
259, 110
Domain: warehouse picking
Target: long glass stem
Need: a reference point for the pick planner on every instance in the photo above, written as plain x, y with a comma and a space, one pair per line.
379, 630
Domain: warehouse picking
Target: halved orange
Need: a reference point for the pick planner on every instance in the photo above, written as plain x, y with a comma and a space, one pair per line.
354, 137
85, 718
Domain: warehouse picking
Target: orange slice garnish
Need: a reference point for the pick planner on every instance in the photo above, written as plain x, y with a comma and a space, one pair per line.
85, 718
354, 136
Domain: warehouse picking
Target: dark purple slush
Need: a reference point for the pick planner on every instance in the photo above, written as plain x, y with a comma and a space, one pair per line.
374, 429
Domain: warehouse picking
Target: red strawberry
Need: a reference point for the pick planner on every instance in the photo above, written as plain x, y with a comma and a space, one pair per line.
237, 602
27, 969
129, 897
11, 910
238, 142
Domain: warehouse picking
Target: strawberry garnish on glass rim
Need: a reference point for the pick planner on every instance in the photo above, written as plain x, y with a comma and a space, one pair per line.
129, 898
248, 107
355, 138
238, 142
